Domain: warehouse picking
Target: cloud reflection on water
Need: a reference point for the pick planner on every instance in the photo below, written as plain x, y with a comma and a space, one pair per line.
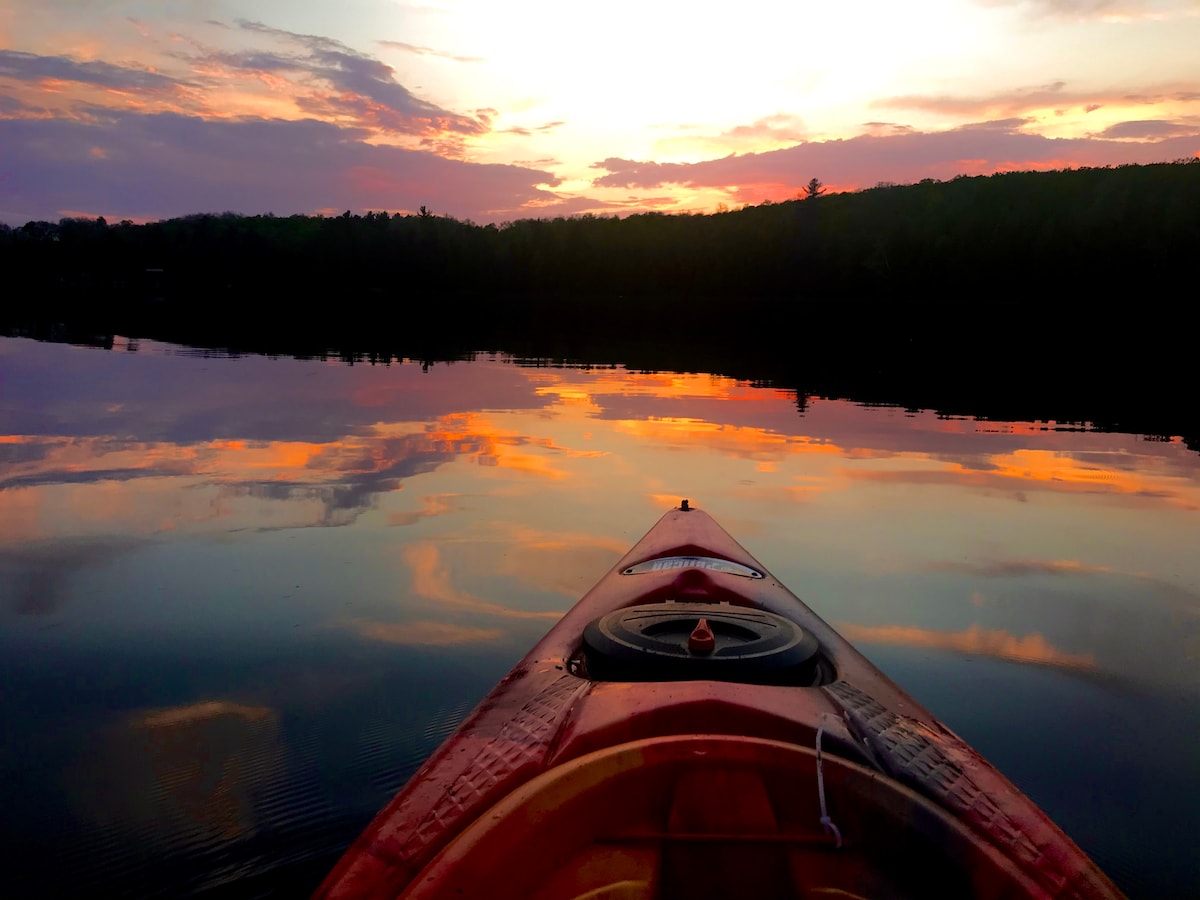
433, 581
177, 773
184, 446
432, 505
424, 634
38, 577
1019, 567
1028, 470
977, 641
180, 509
1132, 627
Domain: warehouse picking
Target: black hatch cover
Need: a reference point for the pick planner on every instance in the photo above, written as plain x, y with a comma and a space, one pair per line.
686, 641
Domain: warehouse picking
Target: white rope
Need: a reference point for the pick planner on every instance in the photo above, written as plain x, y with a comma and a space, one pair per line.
826, 822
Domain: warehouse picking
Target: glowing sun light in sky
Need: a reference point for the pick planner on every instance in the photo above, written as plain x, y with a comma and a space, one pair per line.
531, 108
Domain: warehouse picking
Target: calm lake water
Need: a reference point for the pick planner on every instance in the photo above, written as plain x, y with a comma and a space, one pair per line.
243, 598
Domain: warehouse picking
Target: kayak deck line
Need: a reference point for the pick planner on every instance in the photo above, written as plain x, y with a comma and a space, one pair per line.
634, 753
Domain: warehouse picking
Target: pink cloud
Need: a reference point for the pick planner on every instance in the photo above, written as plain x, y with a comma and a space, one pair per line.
900, 157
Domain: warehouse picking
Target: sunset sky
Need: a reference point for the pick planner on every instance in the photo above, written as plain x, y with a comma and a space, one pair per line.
494, 111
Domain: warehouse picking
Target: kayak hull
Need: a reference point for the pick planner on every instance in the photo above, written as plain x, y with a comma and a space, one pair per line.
713, 774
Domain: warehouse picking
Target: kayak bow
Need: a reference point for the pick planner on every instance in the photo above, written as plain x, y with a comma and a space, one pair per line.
691, 728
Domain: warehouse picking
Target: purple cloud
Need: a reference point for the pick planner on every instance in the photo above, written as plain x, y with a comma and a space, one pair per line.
11, 107
1149, 129
418, 50
126, 165
882, 129
364, 89
342, 83
779, 127
630, 173
32, 67
542, 129
1000, 125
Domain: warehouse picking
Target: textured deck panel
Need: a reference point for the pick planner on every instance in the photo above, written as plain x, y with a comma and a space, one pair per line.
521, 741
936, 764
499, 747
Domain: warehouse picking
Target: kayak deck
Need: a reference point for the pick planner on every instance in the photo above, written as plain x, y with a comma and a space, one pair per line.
628, 755
715, 816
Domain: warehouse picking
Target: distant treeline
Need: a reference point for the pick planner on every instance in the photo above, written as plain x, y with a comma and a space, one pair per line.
1041, 231
1074, 290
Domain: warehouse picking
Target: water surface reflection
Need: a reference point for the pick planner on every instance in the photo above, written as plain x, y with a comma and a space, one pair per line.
244, 597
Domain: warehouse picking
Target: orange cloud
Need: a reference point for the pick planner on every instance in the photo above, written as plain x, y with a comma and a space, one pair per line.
476, 436
663, 385
238, 460
739, 441
1043, 470
327, 483
997, 643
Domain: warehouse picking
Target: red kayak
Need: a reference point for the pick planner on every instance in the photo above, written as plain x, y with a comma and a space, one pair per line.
691, 729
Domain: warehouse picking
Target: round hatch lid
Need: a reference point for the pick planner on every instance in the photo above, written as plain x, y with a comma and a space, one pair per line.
687, 641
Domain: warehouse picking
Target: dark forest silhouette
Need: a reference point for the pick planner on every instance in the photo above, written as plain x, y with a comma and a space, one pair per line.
1058, 295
